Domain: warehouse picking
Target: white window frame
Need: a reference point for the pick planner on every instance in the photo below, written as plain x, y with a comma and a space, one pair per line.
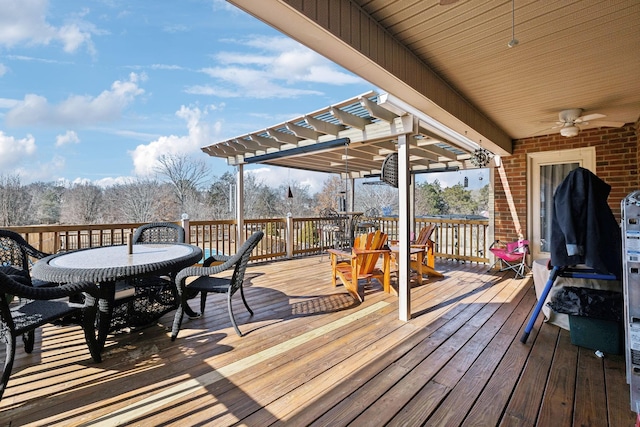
585, 157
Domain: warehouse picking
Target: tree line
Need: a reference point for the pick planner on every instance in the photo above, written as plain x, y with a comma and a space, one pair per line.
185, 185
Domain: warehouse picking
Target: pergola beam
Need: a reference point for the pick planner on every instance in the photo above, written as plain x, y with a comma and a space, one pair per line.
378, 112
285, 138
303, 132
265, 142
350, 119
322, 126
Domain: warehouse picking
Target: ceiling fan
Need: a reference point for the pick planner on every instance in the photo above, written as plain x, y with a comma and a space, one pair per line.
571, 121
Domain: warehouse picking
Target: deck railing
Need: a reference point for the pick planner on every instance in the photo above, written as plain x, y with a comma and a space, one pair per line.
456, 239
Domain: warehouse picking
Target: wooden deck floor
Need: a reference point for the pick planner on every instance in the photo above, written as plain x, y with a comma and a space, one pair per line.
311, 356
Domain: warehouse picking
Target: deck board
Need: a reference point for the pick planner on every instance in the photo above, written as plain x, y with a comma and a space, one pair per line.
590, 390
313, 356
556, 406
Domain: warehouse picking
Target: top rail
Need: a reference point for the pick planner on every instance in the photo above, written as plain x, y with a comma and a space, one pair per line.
455, 239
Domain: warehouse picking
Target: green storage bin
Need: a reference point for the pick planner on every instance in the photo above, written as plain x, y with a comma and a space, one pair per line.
597, 334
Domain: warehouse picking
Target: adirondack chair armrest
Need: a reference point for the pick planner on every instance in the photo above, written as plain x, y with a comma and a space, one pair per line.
370, 251
338, 252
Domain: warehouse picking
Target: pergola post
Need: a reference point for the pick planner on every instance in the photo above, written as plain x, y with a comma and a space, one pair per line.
405, 216
240, 204
351, 202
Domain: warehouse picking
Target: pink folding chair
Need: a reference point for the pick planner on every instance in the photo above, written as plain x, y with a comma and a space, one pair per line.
511, 256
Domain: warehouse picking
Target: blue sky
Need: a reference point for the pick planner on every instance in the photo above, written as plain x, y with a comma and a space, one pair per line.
98, 90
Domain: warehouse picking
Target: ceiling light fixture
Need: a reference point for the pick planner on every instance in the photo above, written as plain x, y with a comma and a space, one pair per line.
514, 41
569, 131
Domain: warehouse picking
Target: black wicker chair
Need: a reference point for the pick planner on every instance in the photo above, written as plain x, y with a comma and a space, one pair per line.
205, 283
15, 251
142, 301
159, 232
37, 306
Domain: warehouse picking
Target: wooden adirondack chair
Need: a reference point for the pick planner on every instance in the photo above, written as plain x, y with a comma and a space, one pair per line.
361, 262
424, 241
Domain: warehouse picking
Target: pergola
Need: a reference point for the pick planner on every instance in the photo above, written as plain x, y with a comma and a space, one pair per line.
353, 138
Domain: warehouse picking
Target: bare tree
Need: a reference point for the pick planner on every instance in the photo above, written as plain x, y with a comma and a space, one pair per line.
139, 200
220, 197
81, 205
14, 201
260, 201
378, 197
332, 189
301, 204
45, 202
187, 175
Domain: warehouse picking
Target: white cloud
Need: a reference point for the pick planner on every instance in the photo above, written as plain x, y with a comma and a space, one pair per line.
272, 72
70, 137
110, 181
19, 157
77, 110
176, 28
35, 59
131, 134
38, 171
166, 67
3, 70
200, 133
25, 22
72, 38
8, 103
14, 151
224, 5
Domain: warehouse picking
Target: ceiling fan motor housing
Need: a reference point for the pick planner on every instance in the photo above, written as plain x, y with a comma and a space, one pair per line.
570, 115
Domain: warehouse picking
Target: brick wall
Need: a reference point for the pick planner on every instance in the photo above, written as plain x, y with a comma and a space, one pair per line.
617, 161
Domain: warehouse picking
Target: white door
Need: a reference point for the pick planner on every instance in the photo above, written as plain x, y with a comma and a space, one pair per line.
546, 171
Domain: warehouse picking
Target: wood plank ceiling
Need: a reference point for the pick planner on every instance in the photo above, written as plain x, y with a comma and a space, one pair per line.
571, 54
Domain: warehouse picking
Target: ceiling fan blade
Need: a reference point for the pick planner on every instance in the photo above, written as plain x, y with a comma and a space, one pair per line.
545, 131
602, 123
589, 117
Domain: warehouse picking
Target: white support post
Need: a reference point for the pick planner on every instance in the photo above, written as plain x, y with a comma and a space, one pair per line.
240, 204
405, 216
352, 195
412, 205
289, 236
185, 226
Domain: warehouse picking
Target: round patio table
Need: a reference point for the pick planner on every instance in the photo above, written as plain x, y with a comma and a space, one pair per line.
108, 264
